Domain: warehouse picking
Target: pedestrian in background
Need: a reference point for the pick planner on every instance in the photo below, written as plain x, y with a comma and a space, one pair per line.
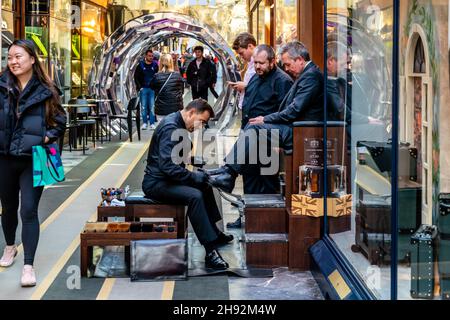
168, 86
145, 71
199, 75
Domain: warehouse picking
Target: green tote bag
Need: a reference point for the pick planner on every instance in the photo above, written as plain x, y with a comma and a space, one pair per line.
47, 165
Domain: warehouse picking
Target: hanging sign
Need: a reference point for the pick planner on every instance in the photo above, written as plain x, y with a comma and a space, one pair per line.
38, 7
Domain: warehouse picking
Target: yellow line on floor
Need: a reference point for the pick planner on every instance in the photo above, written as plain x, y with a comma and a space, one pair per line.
74, 195
106, 289
167, 293
48, 280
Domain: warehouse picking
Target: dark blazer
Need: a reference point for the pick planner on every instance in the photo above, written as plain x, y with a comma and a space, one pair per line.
264, 95
200, 78
170, 99
304, 102
160, 165
19, 132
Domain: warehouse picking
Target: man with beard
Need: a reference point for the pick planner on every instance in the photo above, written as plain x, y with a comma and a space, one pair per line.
304, 102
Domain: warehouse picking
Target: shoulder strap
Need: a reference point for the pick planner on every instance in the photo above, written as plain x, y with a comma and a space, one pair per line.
164, 85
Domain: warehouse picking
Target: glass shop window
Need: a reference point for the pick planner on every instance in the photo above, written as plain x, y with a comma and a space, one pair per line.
423, 230
286, 22
37, 30
260, 37
93, 33
7, 33
60, 52
359, 101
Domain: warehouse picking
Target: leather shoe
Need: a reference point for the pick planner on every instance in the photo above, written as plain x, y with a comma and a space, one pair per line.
224, 239
236, 224
214, 260
223, 182
217, 171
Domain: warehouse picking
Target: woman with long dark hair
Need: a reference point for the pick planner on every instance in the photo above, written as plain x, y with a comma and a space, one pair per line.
30, 115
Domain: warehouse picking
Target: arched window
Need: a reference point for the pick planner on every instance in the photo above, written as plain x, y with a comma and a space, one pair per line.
419, 58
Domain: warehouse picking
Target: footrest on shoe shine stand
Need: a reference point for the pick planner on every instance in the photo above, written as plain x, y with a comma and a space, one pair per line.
265, 213
263, 250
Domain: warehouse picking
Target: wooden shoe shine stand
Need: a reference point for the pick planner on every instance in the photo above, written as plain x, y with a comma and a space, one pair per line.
275, 235
137, 207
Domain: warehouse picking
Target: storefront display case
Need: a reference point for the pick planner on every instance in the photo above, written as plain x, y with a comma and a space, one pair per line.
387, 79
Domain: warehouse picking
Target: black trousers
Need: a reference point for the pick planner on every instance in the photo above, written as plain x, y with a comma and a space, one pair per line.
247, 147
202, 207
17, 177
214, 92
200, 93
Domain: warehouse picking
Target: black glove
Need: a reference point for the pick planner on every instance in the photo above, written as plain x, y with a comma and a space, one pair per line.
200, 178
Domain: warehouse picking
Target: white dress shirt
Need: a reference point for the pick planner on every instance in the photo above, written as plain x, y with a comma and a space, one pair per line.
248, 75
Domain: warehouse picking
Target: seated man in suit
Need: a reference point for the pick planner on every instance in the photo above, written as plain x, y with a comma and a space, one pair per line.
304, 102
167, 180
263, 96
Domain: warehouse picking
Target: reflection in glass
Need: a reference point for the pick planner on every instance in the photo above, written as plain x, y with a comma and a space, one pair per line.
260, 37
7, 4
92, 31
359, 89
36, 29
60, 9
7, 35
255, 21
286, 21
60, 48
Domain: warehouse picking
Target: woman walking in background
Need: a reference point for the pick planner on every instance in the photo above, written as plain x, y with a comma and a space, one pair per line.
30, 115
168, 86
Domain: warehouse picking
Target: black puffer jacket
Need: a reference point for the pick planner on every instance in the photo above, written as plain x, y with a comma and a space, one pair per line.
200, 78
20, 132
170, 98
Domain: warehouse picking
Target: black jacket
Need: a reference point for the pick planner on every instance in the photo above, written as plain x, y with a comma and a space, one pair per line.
160, 165
139, 74
263, 95
200, 78
304, 102
170, 99
20, 132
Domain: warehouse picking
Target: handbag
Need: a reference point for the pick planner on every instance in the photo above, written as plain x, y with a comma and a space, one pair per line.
163, 86
158, 259
47, 165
